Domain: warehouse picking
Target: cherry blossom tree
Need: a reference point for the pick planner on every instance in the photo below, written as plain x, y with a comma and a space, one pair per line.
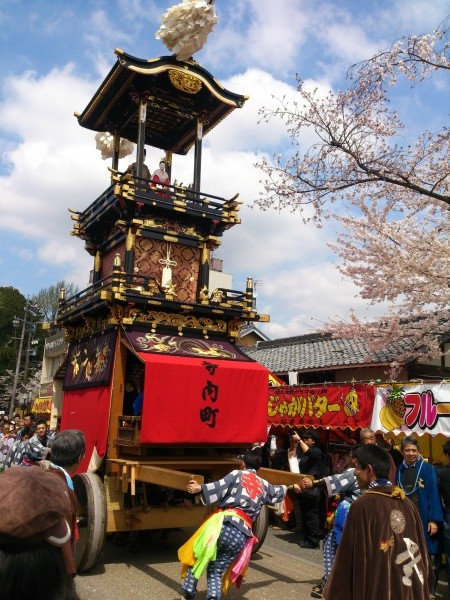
391, 200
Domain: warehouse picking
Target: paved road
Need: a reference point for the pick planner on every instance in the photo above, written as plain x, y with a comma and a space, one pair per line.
152, 573
281, 569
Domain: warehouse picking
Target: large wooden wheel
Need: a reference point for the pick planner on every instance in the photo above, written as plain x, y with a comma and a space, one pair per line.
91, 496
260, 527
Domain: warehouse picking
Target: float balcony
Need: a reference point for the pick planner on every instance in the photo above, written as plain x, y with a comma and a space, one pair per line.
129, 198
129, 299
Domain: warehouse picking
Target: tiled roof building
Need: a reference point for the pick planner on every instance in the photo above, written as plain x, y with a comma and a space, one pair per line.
319, 357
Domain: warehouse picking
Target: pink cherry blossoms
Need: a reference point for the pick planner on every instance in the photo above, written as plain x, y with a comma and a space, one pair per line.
390, 198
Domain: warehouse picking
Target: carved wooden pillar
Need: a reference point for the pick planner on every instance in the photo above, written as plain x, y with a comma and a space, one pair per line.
205, 265
129, 253
116, 274
249, 294
97, 267
115, 158
141, 136
168, 159
198, 156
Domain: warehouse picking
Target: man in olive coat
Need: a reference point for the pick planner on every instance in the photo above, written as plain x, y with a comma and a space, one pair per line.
382, 552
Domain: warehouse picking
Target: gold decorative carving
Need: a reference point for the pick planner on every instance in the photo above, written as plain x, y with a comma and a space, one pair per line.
171, 227
116, 313
217, 296
234, 328
264, 318
122, 314
206, 255
90, 326
131, 237
97, 261
185, 82
169, 290
156, 318
171, 238
204, 295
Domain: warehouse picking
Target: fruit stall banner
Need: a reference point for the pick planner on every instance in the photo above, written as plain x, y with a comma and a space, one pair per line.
337, 406
423, 408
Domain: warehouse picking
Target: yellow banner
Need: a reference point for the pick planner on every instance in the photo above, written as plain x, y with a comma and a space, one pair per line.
42, 405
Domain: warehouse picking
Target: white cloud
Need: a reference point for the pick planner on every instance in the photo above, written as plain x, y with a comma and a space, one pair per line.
52, 151
349, 41
101, 31
414, 16
261, 33
241, 130
310, 295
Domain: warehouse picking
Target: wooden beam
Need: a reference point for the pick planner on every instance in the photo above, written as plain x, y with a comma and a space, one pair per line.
155, 518
281, 477
177, 480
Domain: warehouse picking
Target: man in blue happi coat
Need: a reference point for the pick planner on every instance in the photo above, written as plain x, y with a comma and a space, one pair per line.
417, 478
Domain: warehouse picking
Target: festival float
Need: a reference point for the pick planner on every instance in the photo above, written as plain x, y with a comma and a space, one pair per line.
149, 321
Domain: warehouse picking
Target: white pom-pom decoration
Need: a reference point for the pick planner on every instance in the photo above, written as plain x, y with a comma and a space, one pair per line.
105, 143
186, 26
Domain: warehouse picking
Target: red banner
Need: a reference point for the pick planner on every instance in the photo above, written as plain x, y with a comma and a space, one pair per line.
203, 400
88, 410
322, 406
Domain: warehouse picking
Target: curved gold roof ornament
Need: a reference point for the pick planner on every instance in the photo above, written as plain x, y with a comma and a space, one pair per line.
185, 82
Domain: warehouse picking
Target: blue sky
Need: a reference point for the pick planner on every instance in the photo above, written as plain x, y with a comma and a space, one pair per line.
54, 54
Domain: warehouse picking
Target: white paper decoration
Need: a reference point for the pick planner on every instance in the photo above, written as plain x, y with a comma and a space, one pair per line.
105, 143
186, 26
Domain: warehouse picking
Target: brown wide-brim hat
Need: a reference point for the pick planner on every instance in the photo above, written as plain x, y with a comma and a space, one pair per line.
35, 507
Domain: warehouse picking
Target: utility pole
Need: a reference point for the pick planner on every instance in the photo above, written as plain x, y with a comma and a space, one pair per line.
19, 360
30, 310
31, 332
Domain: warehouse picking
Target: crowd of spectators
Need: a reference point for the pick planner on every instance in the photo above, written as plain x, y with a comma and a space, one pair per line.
317, 509
426, 486
37, 539
23, 440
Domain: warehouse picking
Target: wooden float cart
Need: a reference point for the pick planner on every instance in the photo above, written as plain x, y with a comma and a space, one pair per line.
154, 317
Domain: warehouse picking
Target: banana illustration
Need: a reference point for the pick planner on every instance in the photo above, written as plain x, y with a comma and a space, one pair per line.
389, 419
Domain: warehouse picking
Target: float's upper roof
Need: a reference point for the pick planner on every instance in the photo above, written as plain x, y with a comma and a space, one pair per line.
177, 92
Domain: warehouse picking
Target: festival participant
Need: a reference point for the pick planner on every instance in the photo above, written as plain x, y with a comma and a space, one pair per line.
345, 486
34, 527
241, 495
16, 452
68, 449
29, 420
382, 552
444, 486
132, 169
310, 458
7, 438
38, 446
417, 478
161, 179
368, 436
